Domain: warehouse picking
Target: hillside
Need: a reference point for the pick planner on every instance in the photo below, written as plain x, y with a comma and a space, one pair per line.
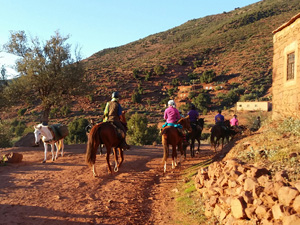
236, 45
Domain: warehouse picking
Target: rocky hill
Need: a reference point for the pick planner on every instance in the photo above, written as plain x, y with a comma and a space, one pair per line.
236, 45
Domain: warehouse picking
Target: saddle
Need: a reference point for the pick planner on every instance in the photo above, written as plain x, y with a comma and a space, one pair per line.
120, 133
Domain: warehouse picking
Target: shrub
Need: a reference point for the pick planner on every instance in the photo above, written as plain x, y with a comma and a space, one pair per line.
136, 97
208, 76
77, 132
159, 70
139, 132
18, 127
65, 110
5, 135
202, 101
21, 112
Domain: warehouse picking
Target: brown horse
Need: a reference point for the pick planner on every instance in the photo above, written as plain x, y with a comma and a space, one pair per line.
104, 133
196, 135
171, 136
220, 132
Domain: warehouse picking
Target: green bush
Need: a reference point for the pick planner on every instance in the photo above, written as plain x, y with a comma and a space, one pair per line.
18, 127
77, 134
5, 136
139, 133
202, 101
21, 112
208, 76
159, 70
65, 110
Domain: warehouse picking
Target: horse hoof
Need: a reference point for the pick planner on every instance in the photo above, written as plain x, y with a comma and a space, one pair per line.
44, 161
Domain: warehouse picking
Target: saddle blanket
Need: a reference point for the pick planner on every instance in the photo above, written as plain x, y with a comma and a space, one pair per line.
60, 131
172, 125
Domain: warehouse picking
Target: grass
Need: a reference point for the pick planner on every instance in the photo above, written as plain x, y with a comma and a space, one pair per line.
188, 201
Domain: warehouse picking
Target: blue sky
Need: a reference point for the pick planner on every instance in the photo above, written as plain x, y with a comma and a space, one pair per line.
94, 25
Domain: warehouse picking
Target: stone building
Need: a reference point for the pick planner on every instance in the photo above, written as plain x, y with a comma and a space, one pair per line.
286, 70
253, 106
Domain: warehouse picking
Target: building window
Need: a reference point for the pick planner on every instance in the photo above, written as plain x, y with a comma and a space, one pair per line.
290, 66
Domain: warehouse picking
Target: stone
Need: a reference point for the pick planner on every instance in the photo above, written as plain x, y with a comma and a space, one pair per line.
296, 204
13, 157
248, 197
261, 211
281, 176
263, 180
291, 220
277, 211
257, 172
238, 206
27, 140
297, 185
250, 184
287, 194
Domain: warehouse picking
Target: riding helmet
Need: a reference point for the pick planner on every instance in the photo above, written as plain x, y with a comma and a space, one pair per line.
115, 95
171, 103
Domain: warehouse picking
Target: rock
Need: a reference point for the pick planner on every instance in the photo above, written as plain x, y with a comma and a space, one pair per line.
261, 212
238, 206
14, 157
27, 140
250, 184
296, 204
287, 194
291, 220
281, 176
277, 211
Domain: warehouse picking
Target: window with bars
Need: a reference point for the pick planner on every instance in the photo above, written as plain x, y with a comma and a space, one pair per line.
290, 75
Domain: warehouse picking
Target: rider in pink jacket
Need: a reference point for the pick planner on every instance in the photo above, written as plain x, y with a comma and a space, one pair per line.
171, 114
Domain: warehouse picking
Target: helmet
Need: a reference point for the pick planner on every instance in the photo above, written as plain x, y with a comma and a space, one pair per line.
115, 95
171, 103
193, 106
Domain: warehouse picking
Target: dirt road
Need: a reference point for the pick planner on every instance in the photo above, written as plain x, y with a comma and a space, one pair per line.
64, 192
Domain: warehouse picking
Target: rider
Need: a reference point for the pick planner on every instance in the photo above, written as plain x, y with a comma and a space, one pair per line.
234, 122
112, 113
172, 115
219, 118
193, 113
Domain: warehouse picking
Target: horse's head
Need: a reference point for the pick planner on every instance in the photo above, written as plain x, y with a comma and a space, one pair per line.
185, 123
201, 122
37, 133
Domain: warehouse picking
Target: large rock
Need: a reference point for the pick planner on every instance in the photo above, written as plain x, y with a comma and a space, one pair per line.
287, 194
238, 206
27, 140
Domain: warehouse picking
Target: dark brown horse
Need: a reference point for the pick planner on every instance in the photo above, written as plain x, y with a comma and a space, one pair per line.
171, 136
220, 132
104, 133
196, 135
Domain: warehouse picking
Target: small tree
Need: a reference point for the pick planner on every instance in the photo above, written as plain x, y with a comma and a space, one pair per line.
48, 72
139, 132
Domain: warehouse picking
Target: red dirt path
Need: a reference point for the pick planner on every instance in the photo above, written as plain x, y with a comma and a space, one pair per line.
64, 192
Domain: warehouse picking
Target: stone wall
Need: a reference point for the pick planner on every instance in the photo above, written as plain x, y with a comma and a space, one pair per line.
286, 94
246, 194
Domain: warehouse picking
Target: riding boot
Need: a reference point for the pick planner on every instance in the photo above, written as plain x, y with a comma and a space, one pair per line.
123, 144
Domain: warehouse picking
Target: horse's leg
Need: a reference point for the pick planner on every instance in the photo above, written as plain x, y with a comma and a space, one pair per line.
198, 150
45, 152
121, 152
94, 170
52, 151
57, 145
192, 147
174, 156
116, 169
108, 149
62, 147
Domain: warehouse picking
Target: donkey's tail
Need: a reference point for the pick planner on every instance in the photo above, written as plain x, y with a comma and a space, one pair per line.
92, 145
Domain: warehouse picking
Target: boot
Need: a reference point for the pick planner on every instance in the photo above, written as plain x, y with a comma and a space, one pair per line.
123, 144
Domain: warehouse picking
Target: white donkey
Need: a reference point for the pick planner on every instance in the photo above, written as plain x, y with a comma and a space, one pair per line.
48, 137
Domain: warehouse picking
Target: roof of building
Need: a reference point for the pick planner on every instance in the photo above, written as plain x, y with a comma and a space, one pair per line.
292, 20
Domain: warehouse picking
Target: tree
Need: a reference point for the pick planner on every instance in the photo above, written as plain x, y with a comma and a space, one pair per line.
3, 73
48, 73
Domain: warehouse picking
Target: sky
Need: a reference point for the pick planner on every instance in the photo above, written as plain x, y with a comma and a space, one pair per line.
94, 25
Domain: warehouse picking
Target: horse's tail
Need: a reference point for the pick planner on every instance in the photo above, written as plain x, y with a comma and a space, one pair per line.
59, 144
165, 145
92, 145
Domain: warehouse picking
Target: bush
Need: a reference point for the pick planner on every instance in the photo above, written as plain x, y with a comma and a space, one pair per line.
21, 112
136, 97
18, 127
139, 133
202, 101
208, 76
159, 70
77, 134
5, 136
